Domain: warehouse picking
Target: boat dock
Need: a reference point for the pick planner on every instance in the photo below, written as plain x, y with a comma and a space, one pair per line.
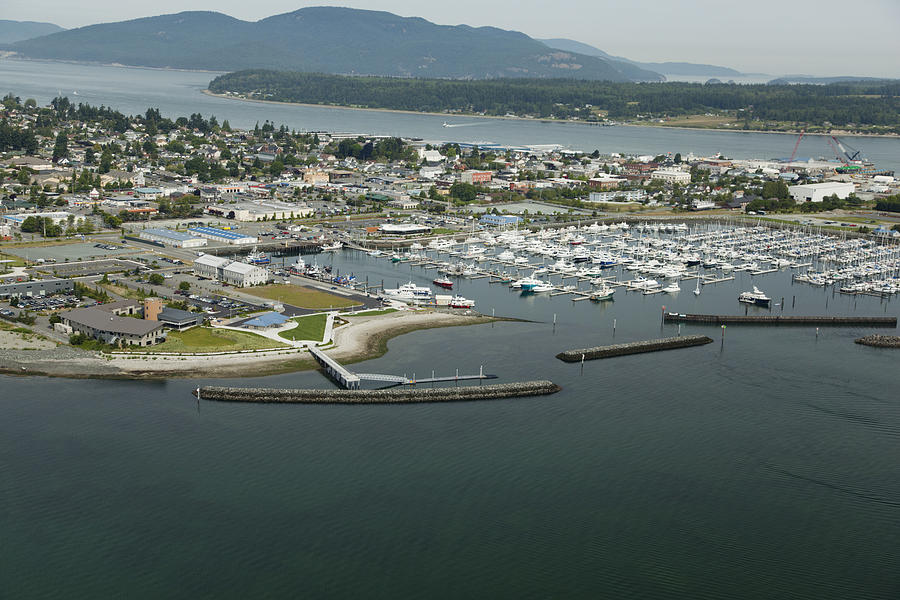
780, 320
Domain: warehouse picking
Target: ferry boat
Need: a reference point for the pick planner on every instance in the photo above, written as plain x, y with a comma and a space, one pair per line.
257, 258
755, 297
443, 282
460, 302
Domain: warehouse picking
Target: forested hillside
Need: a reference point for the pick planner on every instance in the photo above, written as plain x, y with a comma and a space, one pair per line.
840, 105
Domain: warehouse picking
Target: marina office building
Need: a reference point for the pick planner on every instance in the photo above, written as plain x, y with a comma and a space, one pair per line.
238, 274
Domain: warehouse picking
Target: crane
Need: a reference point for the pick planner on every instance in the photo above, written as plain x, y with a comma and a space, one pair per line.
797, 145
849, 158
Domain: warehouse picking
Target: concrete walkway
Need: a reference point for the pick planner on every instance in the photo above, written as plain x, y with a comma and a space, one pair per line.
272, 333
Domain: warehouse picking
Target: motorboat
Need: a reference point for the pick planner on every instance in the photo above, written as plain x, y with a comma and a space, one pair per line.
443, 282
756, 297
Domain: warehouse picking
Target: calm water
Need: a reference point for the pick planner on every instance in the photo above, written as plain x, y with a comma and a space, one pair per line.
178, 93
764, 466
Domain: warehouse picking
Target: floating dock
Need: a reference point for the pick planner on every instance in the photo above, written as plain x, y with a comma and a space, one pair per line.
633, 348
780, 320
389, 396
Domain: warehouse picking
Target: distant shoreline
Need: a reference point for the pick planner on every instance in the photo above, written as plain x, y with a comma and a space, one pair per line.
543, 120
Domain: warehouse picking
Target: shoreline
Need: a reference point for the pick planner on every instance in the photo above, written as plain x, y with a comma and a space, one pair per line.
363, 339
545, 120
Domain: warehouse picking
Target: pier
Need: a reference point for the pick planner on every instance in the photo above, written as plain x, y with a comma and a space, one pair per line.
633, 348
391, 396
349, 380
780, 320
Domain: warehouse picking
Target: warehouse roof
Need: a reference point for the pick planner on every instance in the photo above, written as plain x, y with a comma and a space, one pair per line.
228, 235
170, 234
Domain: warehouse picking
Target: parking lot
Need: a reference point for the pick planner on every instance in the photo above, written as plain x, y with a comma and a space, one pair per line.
71, 252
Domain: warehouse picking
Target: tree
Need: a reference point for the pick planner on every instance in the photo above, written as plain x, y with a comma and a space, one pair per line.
677, 158
61, 148
156, 279
185, 285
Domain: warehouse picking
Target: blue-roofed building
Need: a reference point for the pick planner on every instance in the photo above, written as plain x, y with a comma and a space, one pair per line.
223, 236
169, 237
500, 220
266, 320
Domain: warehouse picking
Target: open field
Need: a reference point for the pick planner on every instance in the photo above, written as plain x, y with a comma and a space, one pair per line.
300, 296
700, 121
311, 327
16, 261
202, 339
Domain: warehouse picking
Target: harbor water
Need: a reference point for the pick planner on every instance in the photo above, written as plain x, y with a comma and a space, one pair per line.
762, 465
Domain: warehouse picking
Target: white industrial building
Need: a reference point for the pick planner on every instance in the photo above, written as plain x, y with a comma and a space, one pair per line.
238, 274
177, 239
260, 211
56, 218
817, 192
241, 274
671, 176
223, 236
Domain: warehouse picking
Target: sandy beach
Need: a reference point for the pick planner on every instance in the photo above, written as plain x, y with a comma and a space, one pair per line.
361, 339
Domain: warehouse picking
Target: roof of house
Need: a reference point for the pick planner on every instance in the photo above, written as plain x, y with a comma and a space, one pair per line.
118, 304
104, 321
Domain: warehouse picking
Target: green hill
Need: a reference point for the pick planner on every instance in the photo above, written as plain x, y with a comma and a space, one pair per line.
328, 40
16, 31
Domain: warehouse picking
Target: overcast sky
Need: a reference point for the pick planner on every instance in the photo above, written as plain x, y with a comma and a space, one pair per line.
816, 37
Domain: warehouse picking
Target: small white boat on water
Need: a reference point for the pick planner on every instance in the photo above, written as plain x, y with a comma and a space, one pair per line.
756, 297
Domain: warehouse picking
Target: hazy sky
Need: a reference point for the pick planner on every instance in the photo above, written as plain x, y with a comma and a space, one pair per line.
817, 37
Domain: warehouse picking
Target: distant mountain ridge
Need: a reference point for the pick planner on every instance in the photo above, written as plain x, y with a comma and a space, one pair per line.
326, 40
666, 68
16, 31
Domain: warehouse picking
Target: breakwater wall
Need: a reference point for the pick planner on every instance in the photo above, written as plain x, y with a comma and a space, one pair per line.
672, 343
780, 320
880, 341
389, 396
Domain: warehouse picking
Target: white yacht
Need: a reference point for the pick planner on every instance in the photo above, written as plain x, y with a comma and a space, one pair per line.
754, 297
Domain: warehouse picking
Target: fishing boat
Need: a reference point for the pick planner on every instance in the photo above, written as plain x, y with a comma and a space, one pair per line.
443, 282
460, 302
755, 297
257, 258
603, 294
332, 247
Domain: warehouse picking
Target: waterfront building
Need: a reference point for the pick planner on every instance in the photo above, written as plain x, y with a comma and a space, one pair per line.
404, 229
817, 192
241, 274
104, 325
56, 218
619, 196
178, 239
500, 220
223, 236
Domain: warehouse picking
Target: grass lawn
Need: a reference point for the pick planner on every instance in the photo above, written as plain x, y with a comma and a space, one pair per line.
298, 295
16, 261
204, 339
374, 313
310, 327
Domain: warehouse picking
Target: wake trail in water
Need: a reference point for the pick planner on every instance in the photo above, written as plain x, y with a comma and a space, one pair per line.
838, 488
